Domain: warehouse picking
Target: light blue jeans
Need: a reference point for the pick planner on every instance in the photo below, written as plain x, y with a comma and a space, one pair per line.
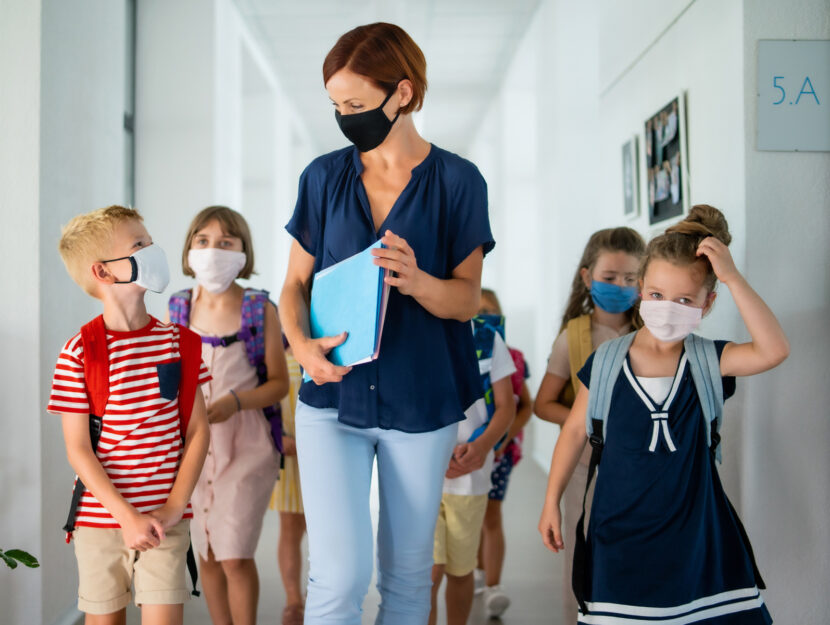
335, 476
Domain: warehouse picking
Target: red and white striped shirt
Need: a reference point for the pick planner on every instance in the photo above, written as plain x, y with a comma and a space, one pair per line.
140, 446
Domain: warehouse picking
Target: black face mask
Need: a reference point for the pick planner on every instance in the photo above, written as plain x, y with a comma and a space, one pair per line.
368, 129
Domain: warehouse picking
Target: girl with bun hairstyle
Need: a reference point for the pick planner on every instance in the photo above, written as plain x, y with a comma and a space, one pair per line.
664, 544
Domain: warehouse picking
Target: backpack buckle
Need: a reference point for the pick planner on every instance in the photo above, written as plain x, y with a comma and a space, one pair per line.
596, 441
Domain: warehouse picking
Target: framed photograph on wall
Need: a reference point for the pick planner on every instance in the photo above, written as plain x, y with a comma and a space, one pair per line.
666, 162
631, 179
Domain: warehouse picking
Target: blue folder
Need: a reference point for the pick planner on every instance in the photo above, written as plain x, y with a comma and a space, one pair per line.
351, 297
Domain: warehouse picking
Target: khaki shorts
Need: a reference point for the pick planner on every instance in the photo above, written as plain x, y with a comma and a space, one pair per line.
458, 532
107, 569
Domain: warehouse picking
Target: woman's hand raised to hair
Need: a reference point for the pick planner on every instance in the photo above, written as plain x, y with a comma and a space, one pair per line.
311, 354
398, 256
720, 258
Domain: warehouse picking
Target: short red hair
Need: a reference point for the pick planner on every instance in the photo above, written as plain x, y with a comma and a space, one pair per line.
383, 53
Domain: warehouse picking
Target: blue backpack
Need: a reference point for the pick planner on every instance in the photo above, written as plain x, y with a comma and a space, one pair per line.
485, 328
704, 365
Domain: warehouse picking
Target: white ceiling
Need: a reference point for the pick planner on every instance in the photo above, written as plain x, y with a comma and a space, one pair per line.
468, 45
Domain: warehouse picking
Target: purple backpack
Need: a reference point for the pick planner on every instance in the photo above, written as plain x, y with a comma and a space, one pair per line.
252, 334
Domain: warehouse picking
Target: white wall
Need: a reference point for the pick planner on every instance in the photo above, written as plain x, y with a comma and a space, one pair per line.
82, 168
20, 473
213, 126
63, 78
595, 71
786, 469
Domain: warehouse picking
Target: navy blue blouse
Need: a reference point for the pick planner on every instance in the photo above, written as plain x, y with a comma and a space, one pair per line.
426, 374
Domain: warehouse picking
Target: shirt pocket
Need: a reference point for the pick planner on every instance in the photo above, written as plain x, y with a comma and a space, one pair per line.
169, 375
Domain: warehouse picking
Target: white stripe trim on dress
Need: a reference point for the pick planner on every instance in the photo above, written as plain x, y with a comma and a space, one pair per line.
646, 400
678, 376
687, 613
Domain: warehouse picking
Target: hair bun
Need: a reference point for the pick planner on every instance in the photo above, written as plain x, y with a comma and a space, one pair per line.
704, 221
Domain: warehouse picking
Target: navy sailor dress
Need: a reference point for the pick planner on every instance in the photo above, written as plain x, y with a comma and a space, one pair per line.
664, 544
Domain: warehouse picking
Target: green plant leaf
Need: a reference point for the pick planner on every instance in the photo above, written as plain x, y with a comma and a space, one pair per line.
10, 562
25, 558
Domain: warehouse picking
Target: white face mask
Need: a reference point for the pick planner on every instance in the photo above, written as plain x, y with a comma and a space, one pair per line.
669, 321
215, 269
149, 268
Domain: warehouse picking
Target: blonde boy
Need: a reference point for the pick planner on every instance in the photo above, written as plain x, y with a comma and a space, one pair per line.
131, 524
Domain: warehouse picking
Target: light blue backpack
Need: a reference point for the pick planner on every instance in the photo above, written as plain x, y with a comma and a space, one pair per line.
704, 365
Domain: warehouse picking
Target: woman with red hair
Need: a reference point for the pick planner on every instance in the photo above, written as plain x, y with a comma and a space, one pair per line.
429, 208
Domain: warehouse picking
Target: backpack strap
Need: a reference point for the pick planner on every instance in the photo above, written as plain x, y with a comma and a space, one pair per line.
96, 380
253, 328
179, 307
580, 346
96, 365
190, 351
704, 365
705, 368
608, 362
254, 303
485, 328
190, 354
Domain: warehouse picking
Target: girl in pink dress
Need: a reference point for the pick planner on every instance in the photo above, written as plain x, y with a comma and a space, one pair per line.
233, 491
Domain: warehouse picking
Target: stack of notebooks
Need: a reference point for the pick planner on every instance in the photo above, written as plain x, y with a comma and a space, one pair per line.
351, 297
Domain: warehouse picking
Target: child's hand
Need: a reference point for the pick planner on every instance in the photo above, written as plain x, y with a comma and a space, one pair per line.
222, 409
289, 446
466, 458
142, 532
720, 258
550, 527
167, 515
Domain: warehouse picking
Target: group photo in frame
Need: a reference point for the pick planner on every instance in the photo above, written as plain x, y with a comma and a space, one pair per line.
666, 162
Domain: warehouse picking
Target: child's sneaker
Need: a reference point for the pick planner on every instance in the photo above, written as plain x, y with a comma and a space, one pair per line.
495, 601
479, 580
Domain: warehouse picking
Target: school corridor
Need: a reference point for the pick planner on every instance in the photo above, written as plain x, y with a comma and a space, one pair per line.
579, 114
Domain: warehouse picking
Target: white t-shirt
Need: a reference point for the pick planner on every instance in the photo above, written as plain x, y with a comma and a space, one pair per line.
478, 482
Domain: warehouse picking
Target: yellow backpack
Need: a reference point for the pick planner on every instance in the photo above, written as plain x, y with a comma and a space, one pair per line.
580, 347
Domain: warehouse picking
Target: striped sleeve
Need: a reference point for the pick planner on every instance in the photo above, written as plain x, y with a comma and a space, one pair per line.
204, 374
68, 386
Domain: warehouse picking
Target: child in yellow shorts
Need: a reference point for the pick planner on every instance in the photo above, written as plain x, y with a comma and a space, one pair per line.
464, 501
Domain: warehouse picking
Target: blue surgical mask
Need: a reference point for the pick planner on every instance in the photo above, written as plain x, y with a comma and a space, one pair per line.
613, 298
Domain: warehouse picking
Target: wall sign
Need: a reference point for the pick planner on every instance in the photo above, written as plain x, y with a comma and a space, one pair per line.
794, 95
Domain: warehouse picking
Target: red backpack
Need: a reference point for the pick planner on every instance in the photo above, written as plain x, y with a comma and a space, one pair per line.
97, 369
97, 380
